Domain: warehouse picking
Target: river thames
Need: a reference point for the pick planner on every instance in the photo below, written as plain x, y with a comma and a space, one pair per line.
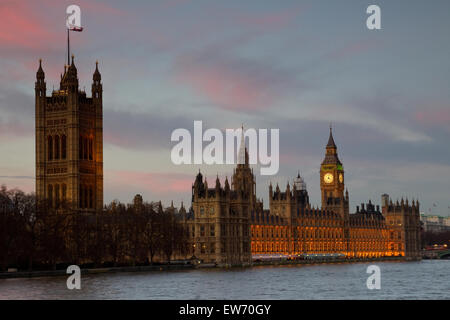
428, 279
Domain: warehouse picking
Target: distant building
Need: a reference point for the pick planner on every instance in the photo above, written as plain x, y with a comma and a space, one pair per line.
434, 223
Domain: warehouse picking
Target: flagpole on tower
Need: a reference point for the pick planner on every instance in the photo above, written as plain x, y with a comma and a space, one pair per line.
68, 46
73, 23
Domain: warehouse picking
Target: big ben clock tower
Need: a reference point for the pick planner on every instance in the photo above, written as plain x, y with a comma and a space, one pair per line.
332, 180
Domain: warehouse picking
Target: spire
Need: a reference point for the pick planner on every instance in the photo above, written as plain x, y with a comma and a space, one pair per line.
40, 73
72, 69
97, 76
40, 86
217, 182
70, 78
331, 143
227, 185
331, 156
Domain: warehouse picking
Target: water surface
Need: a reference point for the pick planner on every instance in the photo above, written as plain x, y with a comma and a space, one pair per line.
428, 279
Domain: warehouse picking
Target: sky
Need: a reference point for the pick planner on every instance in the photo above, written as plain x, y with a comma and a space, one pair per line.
291, 65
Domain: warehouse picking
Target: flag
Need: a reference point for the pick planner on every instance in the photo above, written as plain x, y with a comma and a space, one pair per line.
75, 28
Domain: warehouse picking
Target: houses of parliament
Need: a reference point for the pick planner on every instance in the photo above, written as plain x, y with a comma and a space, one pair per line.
226, 223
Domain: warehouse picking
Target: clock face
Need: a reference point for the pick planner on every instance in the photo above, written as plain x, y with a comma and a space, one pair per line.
341, 177
328, 178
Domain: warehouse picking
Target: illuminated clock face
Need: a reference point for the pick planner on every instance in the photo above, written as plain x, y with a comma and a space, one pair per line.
328, 178
341, 177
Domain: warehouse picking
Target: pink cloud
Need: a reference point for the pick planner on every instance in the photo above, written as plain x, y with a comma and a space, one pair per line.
116, 138
433, 117
226, 85
21, 27
271, 20
26, 24
24, 183
158, 183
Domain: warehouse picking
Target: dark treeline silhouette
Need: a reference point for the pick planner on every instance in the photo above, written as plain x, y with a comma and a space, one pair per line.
41, 236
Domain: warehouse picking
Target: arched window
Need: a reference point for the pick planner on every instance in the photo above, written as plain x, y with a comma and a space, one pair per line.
91, 198
63, 146
63, 192
50, 147
50, 195
85, 148
90, 149
80, 150
57, 149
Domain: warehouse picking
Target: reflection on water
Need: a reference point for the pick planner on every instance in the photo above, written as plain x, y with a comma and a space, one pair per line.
429, 279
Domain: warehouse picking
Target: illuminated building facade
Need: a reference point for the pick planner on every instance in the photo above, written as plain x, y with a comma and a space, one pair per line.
291, 227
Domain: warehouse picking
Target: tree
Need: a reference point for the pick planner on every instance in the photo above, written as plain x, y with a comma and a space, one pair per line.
52, 227
152, 232
174, 237
113, 231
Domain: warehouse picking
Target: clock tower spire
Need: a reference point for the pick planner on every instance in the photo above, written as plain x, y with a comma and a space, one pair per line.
332, 179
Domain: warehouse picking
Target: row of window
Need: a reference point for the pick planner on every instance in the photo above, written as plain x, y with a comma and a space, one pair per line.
56, 147
317, 233
209, 230
212, 230
56, 193
86, 199
202, 211
210, 210
86, 148
276, 247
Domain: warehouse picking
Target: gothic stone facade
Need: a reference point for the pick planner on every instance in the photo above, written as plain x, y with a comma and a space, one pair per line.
69, 142
220, 228
224, 220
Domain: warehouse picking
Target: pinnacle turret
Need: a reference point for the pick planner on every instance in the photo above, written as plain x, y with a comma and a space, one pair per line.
331, 143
